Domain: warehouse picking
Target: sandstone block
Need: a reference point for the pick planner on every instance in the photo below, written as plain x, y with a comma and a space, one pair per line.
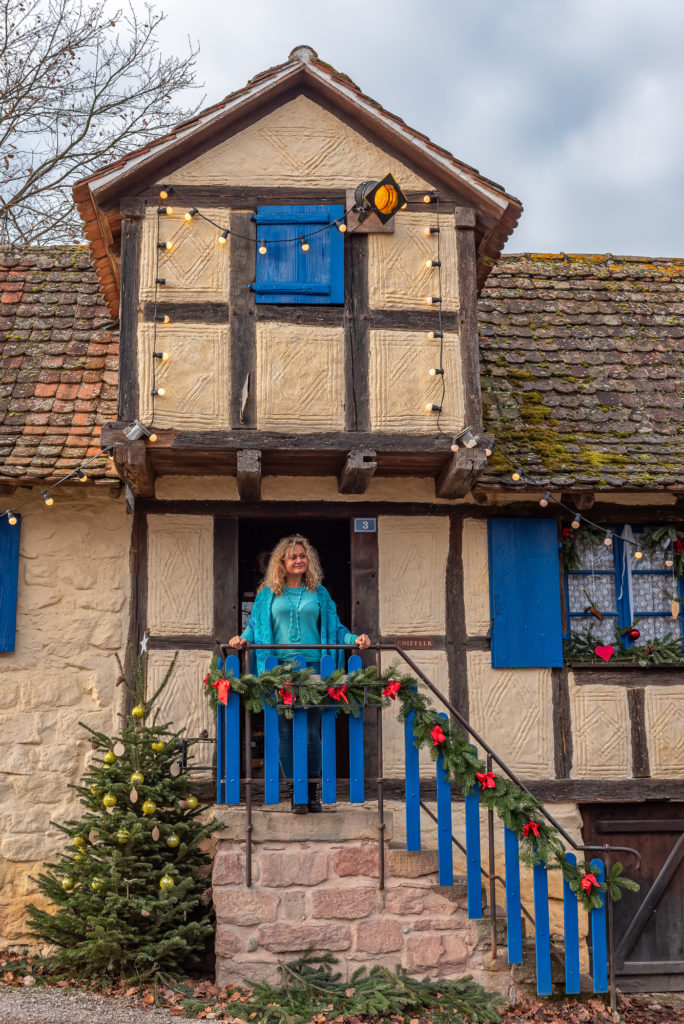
357, 860
348, 903
404, 901
229, 867
300, 867
412, 863
423, 951
227, 942
455, 950
290, 938
292, 906
244, 906
381, 935
235, 969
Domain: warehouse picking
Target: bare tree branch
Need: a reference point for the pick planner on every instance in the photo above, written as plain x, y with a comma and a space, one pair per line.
79, 88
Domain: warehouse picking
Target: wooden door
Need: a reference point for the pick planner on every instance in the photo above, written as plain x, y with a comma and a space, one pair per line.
649, 925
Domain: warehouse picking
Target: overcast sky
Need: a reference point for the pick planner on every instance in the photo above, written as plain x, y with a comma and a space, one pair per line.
574, 106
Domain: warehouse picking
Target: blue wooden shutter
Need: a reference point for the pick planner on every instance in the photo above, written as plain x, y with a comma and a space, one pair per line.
524, 588
285, 273
9, 569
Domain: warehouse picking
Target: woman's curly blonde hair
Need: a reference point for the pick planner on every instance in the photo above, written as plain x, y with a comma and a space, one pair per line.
275, 570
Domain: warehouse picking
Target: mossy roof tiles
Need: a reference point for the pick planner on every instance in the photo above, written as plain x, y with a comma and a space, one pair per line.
582, 362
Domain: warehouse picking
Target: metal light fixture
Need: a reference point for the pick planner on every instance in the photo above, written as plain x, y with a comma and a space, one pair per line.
465, 438
137, 430
383, 198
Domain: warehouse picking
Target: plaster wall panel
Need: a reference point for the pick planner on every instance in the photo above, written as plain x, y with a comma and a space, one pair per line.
434, 665
196, 488
397, 275
601, 735
300, 144
196, 269
196, 377
413, 553
380, 488
72, 618
180, 575
476, 577
183, 702
400, 383
664, 709
512, 711
300, 378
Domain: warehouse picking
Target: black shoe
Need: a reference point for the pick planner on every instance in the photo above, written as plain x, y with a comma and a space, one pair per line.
296, 808
314, 805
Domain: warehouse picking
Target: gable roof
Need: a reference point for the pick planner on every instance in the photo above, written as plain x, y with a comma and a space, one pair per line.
582, 362
59, 368
97, 196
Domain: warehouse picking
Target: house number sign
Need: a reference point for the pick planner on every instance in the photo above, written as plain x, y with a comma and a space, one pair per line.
365, 526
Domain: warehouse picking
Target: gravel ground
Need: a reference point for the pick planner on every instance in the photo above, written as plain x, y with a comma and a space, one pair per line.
60, 1006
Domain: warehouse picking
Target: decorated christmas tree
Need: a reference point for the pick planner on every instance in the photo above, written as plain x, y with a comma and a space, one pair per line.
129, 892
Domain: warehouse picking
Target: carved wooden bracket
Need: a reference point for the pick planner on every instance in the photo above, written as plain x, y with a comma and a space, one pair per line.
132, 462
357, 472
249, 474
460, 473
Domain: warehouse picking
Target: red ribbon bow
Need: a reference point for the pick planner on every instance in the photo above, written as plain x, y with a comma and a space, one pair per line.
392, 689
288, 696
532, 827
338, 692
222, 688
486, 780
437, 735
588, 882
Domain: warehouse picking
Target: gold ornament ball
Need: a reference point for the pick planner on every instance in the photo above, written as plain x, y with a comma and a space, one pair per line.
79, 856
149, 807
96, 790
158, 745
191, 802
166, 883
137, 779
96, 883
172, 840
123, 835
109, 800
138, 711
79, 841
110, 757
68, 883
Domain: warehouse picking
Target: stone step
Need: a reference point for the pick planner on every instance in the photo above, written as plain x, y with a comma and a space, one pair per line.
278, 824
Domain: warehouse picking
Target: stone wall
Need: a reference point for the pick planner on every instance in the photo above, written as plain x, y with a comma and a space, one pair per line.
315, 887
72, 615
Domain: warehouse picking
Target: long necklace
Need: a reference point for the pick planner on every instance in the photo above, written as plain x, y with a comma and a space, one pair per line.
293, 630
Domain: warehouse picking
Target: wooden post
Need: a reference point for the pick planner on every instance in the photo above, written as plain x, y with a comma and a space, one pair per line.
357, 472
132, 214
466, 269
249, 474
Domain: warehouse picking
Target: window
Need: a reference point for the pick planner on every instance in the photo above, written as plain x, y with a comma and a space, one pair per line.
300, 255
609, 582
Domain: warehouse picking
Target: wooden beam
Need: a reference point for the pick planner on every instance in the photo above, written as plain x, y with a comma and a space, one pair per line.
132, 213
357, 472
466, 270
242, 325
249, 474
582, 500
460, 473
356, 333
455, 637
134, 466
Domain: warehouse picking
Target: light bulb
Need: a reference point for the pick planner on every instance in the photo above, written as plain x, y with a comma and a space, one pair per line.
11, 518
433, 263
576, 523
432, 335
669, 563
152, 438
81, 476
488, 452
223, 237
165, 191
165, 245
433, 300
608, 540
159, 391
162, 318
190, 214
432, 407
434, 371
305, 245
165, 209
454, 447
430, 231
164, 356
427, 199
160, 280
638, 554
47, 498
342, 227
545, 500
516, 474
262, 248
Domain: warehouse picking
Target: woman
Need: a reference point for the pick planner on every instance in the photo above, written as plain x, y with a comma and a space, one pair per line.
293, 607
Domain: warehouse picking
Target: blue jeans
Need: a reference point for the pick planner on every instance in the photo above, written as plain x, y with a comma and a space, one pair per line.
313, 743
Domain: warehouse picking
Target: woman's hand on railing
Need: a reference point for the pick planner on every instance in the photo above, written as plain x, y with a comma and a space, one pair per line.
238, 642
362, 642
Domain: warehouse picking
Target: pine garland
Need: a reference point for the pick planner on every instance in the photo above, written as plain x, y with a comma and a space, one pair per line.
540, 842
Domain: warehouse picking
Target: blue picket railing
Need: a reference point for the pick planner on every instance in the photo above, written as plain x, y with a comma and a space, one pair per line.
228, 791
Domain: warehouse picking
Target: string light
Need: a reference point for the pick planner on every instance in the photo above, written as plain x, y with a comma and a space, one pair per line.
262, 248
465, 438
165, 191
608, 540
488, 451
430, 231
158, 391
160, 280
47, 498
577, 522
164, 356
223, 237
165, 209
11, 518
162, 318
638, 554
669, 563
305, 245
430, 198
165, 245
545, 500
81, 476
433, 263
433, 407
433, 300
434, 335
190, 214
516, 474
341, 226
435, 371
